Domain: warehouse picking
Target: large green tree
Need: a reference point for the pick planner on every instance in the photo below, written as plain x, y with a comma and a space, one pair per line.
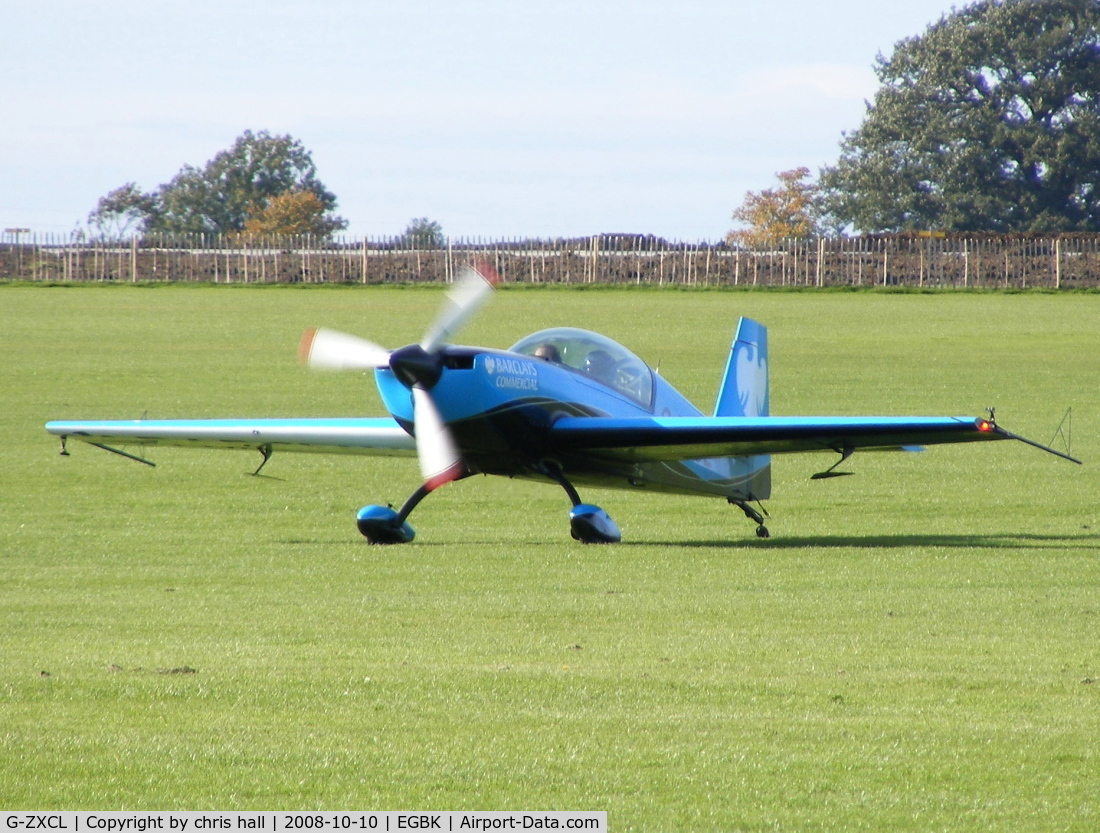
990, 120
250, 181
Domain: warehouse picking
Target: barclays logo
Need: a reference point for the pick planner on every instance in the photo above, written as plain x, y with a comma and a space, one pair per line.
512, 374
513, 367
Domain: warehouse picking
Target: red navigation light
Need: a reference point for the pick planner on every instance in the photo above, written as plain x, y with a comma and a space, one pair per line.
985, 425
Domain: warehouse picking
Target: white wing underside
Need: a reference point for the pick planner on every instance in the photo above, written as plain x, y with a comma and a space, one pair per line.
372, 436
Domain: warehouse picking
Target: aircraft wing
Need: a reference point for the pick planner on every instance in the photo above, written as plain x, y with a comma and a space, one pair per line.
692, 438
374, 436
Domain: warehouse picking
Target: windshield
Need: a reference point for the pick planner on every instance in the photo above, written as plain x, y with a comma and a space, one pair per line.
596, 356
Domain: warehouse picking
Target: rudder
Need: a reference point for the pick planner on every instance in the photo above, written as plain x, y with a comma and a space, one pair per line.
744, 388
744, 393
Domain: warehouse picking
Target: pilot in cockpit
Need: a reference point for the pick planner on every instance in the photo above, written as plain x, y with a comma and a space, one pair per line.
548, 353
600, 366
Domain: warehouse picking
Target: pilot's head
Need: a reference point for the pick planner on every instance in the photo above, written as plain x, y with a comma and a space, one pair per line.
598, 364
548, 353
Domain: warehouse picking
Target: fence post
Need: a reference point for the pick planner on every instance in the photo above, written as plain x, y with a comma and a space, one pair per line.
820, 257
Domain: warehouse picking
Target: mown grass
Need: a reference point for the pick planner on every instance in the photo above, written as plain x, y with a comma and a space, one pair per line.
916, 647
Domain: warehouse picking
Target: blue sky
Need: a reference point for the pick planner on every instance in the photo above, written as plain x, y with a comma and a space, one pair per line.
496, 119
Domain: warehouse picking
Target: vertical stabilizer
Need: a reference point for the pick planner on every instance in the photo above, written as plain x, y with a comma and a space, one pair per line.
744, 393
744, 388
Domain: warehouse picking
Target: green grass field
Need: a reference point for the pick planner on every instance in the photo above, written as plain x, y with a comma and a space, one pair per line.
916, 647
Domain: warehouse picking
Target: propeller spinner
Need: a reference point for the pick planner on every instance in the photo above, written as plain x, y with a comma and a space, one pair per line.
417, 366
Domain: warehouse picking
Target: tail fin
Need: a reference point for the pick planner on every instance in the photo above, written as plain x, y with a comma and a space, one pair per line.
744, 388
744, 393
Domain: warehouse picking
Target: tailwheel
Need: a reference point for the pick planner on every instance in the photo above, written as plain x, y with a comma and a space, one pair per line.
753, 515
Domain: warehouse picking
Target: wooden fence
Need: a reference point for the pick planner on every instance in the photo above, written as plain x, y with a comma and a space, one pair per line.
1058, 262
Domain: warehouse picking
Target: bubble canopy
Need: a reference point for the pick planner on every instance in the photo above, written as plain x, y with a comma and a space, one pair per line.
595, 356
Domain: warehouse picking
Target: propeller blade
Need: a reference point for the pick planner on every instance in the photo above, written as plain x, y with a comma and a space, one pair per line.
435, 448
470, 292
332, 350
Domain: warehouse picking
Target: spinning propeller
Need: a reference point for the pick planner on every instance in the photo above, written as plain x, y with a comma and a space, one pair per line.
417, 366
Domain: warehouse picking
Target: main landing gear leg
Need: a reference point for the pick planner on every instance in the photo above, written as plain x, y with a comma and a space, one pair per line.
752, 515
383, 525
588, 524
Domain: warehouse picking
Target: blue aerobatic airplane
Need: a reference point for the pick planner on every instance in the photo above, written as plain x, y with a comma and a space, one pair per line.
563, 405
